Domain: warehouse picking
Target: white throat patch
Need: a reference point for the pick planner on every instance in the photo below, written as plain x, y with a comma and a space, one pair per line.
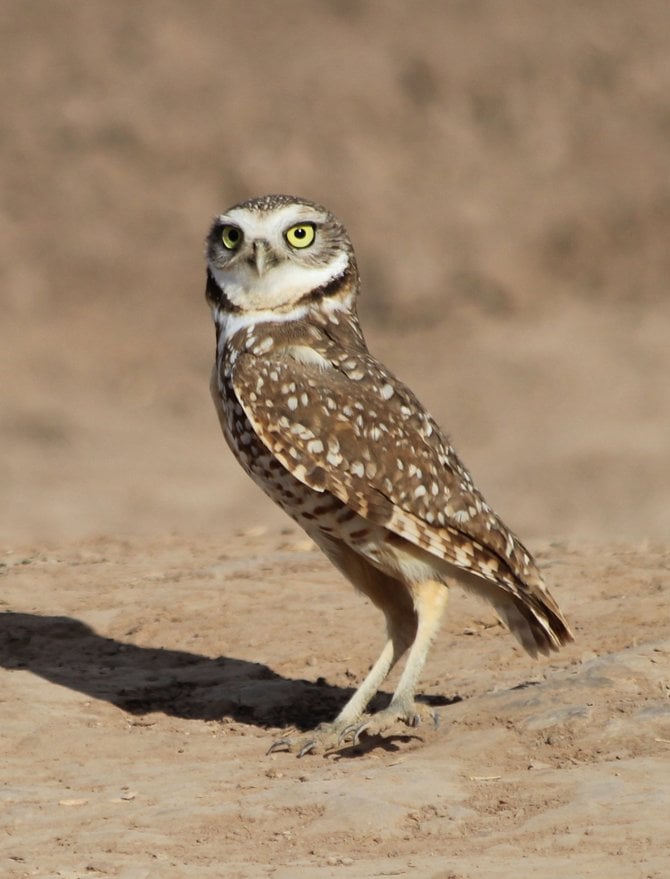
281, 285
230, 323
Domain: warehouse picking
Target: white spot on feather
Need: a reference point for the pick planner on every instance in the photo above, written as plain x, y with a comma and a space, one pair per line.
263, 346
306, 355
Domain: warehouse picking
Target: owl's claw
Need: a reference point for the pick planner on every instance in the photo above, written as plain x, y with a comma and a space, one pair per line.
279, 745
325, 737
351, 733
382, 721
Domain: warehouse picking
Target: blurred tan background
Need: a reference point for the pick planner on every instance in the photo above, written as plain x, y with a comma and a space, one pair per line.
504, 171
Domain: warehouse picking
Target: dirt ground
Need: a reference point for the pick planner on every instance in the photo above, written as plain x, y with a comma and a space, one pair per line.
143, 681
505, 181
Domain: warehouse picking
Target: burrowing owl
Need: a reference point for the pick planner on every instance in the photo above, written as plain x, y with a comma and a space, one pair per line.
349, 452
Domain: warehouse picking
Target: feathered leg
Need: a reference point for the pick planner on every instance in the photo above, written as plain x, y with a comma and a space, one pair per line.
430, 600
396, 602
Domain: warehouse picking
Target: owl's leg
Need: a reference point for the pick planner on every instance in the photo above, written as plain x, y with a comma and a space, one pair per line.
401, 625
430, 600
328, 735
393, 598
401, 630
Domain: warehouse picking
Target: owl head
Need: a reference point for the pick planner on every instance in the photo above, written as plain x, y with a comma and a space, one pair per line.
275, 252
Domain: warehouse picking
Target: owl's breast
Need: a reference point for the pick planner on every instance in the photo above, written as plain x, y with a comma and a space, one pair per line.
293, 496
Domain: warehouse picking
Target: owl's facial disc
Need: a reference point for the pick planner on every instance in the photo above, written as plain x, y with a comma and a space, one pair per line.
270, 259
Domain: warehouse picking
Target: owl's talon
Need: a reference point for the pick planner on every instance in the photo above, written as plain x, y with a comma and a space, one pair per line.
279, 745
382, 721
307, 747
356, 729
349, 731
325, 737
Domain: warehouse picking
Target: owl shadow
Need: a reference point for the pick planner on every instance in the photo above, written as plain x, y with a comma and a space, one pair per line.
144, 680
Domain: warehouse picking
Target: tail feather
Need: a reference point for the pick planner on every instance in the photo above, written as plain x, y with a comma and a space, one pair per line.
539, 627
532, 616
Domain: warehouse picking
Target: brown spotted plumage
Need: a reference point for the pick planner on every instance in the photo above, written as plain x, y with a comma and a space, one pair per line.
349, 452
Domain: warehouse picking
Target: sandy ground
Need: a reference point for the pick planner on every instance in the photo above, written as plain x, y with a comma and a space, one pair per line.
142, 683
505, 181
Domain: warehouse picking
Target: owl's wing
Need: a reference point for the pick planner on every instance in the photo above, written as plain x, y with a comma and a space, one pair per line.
354, 430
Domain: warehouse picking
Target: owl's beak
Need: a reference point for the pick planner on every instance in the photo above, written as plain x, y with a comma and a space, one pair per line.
261, 254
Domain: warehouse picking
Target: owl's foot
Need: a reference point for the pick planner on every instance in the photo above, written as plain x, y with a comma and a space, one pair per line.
410, 713
326, 737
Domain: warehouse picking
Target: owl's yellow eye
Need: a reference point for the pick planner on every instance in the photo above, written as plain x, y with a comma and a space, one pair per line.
231, 236
301, 235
